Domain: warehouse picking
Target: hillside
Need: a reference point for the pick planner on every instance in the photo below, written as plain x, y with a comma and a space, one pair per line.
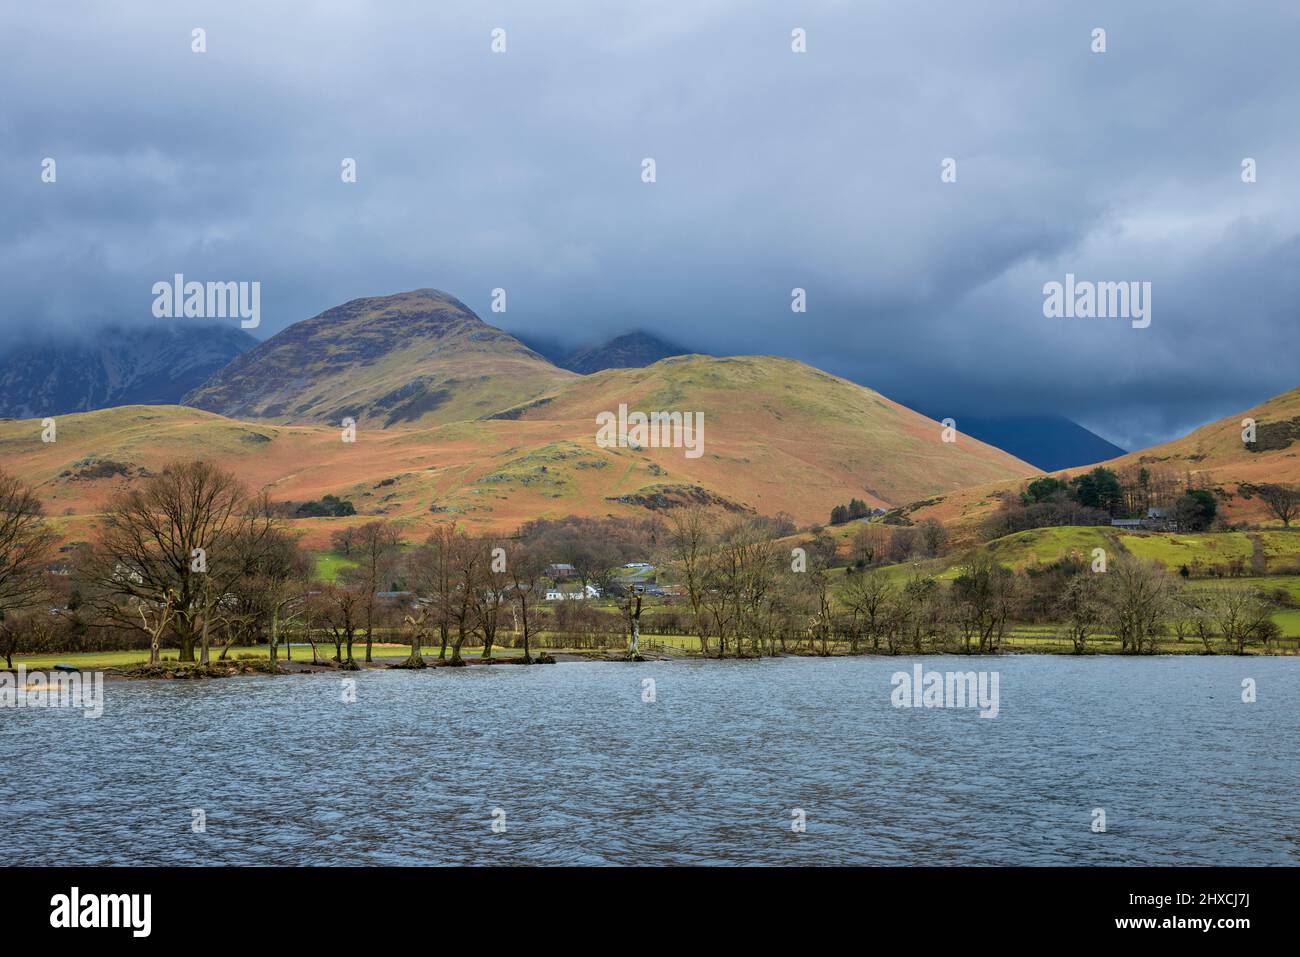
778, 436
115, 365
414, 359
783, 436
1214, 455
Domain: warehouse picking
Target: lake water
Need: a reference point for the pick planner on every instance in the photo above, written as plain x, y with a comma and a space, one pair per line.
587, 772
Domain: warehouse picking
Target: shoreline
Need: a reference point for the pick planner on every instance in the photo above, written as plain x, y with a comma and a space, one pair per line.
172, 670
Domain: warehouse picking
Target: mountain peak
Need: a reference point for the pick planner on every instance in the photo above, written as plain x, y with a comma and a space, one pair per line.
421, 356
631, 350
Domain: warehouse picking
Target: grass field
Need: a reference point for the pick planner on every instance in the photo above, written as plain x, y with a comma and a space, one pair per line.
1175, 550
1046, 545
328, 566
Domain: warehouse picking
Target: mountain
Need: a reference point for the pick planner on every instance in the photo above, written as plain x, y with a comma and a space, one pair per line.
1213, 455
113, 366
631, 350
416, 358
778, 436
1051, 442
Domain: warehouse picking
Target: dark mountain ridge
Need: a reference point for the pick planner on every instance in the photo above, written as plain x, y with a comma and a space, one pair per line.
115, 365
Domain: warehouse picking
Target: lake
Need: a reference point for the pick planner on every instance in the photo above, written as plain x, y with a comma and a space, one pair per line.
579, 769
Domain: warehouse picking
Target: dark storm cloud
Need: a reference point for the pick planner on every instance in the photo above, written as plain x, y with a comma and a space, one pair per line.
775, 170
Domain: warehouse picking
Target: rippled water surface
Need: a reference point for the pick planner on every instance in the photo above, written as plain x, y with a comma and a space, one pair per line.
588, 773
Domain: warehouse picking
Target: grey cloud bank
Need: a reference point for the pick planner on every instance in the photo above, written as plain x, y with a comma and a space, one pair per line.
775, 170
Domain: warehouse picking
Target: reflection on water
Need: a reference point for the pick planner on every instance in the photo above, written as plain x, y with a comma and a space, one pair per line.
588, 773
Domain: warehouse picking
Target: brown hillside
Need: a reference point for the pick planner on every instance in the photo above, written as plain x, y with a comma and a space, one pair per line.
1213, 455
778, 436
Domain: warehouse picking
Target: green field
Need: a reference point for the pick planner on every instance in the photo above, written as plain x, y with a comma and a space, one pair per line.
1282, 550
1174, 550
328, 566
1046, 545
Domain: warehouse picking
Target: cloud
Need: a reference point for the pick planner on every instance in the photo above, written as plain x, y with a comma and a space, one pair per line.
775, 170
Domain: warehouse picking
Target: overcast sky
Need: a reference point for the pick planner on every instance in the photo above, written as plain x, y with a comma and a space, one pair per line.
775, 169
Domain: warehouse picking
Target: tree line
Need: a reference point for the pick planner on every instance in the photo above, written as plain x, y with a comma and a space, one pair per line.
192, 559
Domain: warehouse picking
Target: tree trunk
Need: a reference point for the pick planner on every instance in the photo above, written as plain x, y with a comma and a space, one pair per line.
455, 648
416, 658
207, 617
185, 638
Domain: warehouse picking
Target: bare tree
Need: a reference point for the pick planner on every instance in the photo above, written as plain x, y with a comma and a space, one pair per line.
1241, 615
925, 621
526, 568
418, 628
279, 581
933, 536
983, 597
155, 619
870, 543
900, 609
191, 530
1190, 616
344, 540
760, 596
493, 593
1282, 500
341, 608
867, 596
690, 538
26, 543
435, 577
467, 561
903, 541
29, 632
376, 548
1080, 608
1137, 600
